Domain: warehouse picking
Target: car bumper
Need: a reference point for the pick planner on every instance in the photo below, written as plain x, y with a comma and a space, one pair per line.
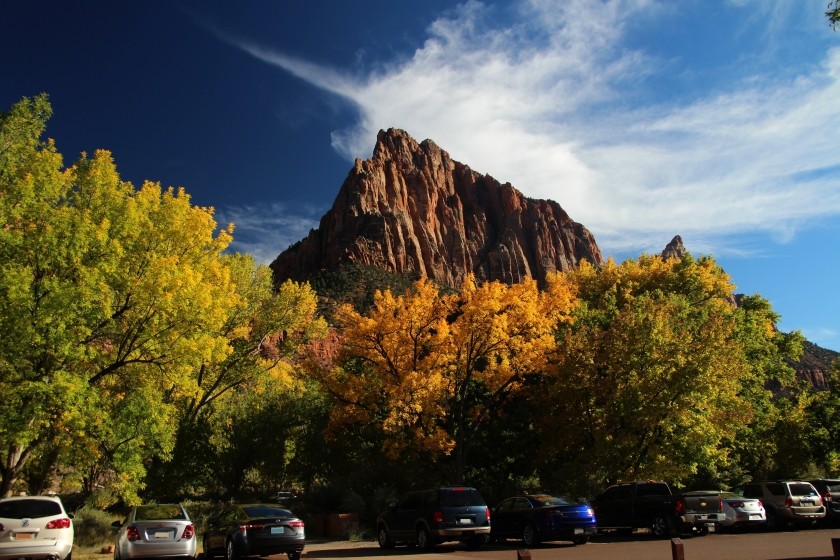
35, 549
569, 532
456, 534
141, 549
276, 547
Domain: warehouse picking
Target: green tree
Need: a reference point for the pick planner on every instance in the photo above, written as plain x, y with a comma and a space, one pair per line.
833, 13
111, 298
646, 382
266, 331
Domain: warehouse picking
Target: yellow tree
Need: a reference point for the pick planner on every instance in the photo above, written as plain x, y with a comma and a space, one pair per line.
427, 368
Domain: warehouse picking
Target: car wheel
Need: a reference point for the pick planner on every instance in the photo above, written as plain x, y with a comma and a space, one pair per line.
231, 552
529, 535
580, 540
294, 555
384, 538
659, 527
424, 541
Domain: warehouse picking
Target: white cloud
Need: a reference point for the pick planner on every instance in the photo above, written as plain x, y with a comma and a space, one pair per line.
265, 231
553, 101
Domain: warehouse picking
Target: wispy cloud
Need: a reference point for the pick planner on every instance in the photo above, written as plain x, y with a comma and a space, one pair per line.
266, 230
555, 101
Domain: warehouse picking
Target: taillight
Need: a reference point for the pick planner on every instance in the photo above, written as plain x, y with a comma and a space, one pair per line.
680, 506
788, 502
760, 504
189, 531
296, 524
2, 528
826, 497
720, 503
487, 514
438, 517
62, 523
132, 533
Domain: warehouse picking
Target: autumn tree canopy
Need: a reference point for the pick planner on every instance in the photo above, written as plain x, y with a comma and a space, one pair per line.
426, 368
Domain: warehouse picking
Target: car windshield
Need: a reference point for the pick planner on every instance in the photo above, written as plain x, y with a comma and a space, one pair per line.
801, 490
31, 509
266, 511
546, 500
159, 512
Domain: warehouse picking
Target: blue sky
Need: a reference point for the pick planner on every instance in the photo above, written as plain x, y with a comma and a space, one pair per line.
718, 121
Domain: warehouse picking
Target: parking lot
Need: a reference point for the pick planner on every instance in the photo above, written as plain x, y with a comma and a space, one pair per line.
810, 544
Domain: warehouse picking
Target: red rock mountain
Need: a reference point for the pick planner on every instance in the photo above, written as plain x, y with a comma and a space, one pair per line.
412, 208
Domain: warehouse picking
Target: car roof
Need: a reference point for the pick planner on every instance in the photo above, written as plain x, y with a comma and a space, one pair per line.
35, 497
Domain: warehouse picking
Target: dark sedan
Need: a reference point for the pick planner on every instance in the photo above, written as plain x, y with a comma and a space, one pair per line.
535, 518
243, 530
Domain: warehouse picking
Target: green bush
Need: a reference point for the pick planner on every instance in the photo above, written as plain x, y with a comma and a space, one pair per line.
92, 527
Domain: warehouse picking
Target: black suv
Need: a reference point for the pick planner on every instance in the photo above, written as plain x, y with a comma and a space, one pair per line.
829, 489
429, 517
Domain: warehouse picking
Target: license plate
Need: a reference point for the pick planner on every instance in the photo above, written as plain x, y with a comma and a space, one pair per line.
465, 521
578, 531
277, 530
161, 535
806, 502
24, 536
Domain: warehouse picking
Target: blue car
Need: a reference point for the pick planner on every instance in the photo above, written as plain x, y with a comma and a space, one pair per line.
535, 518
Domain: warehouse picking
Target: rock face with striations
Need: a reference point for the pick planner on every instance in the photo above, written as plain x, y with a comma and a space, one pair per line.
411, 208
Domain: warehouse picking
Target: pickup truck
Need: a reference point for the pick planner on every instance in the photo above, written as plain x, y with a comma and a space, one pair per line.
650, 504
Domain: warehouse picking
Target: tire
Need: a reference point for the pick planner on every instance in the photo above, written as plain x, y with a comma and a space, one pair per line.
294, 555
703, 531
659, 527
580, 540
424, 540
231, 552
530, 536
384, 538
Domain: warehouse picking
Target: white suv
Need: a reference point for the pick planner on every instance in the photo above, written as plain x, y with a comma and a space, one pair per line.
35, 527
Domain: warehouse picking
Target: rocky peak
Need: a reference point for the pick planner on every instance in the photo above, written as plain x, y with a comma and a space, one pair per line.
675, 249
411, 208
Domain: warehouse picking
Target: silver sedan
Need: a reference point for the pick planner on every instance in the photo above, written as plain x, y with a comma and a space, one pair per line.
156, 531
741, 511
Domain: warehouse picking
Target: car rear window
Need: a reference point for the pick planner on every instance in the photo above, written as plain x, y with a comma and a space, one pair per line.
653, 489
160, 512
460, 497
32, 509
266, 511
801, 489
546, 500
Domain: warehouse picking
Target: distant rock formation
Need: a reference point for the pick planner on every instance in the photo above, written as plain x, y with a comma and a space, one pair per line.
412, 209
674, 249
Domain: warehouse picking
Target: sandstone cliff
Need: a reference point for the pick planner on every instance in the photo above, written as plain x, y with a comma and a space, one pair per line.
412, 209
